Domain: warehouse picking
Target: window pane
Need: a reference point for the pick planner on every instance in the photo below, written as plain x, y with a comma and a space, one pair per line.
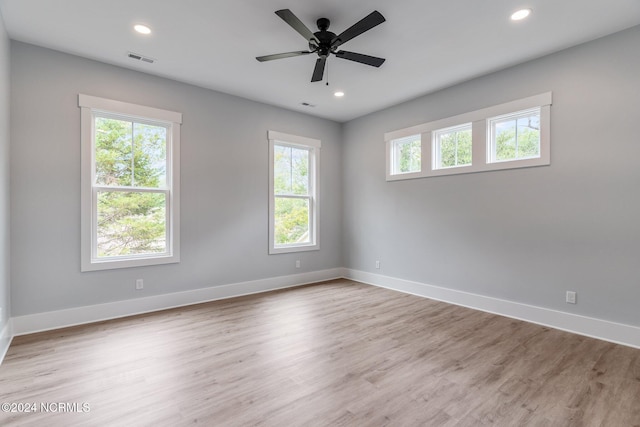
517, 137
529, 136
130, 154
150, 156
291, 170
281, 169
299, 171
453, 147
407, 154
505, 140
131, 223
291, 221
113, 151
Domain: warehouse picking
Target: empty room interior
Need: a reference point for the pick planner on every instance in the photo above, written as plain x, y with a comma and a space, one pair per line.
319, 213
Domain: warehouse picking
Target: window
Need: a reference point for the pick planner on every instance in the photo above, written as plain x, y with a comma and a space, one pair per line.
515, 134
293, 198
406, 155
130, 184
452, 147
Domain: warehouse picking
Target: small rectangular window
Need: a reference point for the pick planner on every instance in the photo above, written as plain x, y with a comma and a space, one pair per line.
452, 147
406, 155
515, 136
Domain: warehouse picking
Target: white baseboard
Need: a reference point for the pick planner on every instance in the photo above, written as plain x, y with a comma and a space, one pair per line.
595, 328
6, 335
39, 322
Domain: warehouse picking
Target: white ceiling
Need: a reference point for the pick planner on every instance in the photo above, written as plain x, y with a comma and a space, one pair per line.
428, 45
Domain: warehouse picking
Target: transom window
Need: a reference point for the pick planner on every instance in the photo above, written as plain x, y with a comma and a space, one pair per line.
406, 154
130, 192
452, 147
515, 134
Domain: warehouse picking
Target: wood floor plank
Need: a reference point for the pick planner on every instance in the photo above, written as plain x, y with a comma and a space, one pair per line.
338, 353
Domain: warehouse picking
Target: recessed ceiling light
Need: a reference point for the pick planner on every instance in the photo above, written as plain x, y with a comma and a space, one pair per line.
142, 29
339, 94
520, 14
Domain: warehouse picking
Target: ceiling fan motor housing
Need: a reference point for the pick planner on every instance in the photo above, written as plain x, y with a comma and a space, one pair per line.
324, 37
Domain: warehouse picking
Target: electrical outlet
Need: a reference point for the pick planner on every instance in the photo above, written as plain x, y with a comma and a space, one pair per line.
571, 297
377, 264
297, 263
139, 284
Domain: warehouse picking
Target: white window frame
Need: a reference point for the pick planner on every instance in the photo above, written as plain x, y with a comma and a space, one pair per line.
92, 107
436, 153
491, 148
481, 160
393, 157
313, 145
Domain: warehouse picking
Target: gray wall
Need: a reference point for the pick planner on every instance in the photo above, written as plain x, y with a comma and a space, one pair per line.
224, 193
524, 235
4, 178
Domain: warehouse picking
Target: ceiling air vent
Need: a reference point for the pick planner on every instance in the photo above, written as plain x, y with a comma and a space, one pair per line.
142, 58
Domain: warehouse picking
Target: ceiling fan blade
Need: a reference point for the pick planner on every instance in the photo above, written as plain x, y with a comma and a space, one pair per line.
365, 24
295, 23
318, 71
282, 55
358, 57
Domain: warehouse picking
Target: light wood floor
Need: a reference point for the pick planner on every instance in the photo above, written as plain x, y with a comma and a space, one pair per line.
333, 354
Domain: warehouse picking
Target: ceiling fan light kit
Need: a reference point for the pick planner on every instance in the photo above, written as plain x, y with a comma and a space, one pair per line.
324, 43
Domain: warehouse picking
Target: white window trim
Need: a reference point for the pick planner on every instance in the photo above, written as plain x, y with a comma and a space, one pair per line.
480, 137
314, 145
89, 105
391, 156
491, 148
434, 145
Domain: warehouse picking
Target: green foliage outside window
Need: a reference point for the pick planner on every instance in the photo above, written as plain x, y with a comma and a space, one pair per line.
291, 178
411, 156
455, 148
291, 221
133, 156
407, 154
517, 138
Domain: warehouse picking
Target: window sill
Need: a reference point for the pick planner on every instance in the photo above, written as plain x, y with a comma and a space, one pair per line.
128, 263
293, 249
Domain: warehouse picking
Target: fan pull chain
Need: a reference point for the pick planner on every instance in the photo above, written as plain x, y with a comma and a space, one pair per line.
327, 65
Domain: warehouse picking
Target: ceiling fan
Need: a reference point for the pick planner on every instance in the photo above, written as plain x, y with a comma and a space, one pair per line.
325, 42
